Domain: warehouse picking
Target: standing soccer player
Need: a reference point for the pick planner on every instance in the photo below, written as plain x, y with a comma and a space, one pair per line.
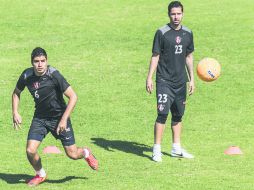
171, 53
47, 87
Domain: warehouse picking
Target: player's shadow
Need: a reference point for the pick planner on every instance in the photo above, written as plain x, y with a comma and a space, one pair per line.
24, 178
124, 146
67, 178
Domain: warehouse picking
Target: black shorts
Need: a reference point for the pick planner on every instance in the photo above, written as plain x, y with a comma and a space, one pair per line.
40, 128
170, 97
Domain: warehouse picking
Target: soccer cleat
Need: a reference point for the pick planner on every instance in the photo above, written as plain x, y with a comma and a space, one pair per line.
91, 160
36, 181
182, 154
157, 157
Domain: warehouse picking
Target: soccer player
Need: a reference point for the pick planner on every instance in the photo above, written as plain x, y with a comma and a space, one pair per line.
171, 53
47, 86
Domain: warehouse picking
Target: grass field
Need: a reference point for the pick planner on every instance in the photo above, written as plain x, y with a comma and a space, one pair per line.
103, 48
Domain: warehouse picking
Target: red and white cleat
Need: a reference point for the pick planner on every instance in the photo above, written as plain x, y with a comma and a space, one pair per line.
36, 181
91, 160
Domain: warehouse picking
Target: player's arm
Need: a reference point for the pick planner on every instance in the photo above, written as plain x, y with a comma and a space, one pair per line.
156, 50
189, 63
17, 120
153, 65
71, 95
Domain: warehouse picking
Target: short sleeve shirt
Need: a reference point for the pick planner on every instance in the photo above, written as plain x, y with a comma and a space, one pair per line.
47, 91
173, 46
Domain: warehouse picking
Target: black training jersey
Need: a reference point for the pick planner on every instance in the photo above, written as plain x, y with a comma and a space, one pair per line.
47, 91
173, 46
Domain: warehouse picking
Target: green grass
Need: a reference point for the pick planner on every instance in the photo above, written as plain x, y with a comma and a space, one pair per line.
103, 48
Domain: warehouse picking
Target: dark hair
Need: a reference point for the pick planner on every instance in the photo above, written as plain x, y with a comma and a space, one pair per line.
174, 4
38, 51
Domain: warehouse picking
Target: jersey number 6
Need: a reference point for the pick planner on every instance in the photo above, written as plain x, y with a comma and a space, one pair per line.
36, 95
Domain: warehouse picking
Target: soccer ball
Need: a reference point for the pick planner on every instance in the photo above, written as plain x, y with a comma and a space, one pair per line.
208, 69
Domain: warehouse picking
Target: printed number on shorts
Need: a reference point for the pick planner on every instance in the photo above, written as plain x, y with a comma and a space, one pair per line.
36, 95
179, 49
162, 98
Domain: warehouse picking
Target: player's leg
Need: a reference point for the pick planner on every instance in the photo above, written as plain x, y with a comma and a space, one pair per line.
36, 134
177, 111
68, 141
158, 133
163, 104
76, 153
177, 150
159, 128
176, 127
32, 154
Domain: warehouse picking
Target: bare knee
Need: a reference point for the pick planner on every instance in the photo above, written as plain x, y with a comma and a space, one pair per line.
73, 152
32, 147
72, 155
31, 151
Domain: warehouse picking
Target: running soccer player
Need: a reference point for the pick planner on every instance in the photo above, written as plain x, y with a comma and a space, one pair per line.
171, 53
47, 87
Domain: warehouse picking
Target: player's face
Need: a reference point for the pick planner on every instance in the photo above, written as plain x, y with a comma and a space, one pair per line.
176, 16
40, 65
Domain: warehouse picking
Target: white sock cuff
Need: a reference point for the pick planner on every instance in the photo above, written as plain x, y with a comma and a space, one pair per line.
86, 153
157, 147
41, 173
176, 146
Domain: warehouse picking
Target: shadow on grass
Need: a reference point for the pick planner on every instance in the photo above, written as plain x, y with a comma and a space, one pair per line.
24, 178
124, 146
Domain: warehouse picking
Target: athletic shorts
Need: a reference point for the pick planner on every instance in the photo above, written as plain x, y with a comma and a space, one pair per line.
171, 98
41, 127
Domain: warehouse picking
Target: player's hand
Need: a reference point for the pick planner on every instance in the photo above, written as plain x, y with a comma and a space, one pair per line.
191, 87
149, 85
17, 120
61, 126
